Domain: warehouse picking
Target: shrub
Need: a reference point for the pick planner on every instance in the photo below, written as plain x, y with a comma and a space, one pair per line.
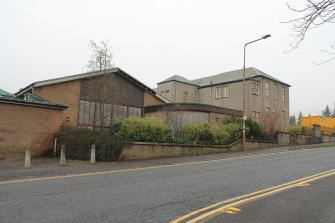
146, 129
78, 144
253, 129
211, 134
295, 129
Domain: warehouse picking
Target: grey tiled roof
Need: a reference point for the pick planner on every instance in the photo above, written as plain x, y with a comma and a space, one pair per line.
176, 78
231, 76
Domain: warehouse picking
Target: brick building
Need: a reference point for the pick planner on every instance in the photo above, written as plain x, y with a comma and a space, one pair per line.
27, 124
96, 99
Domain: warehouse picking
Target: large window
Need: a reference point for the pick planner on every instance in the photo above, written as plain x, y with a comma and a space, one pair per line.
267, 89
282, 94
100, 114
221, 91
185, 96
255, 88
256, 116
275, 91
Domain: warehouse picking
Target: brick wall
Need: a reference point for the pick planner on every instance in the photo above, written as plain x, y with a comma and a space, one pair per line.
67, 93
27, 127
150, 99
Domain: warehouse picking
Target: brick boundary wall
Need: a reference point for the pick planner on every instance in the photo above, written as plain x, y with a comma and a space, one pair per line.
27, 127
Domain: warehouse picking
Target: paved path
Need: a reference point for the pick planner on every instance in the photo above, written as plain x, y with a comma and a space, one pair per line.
156, 193
42, 167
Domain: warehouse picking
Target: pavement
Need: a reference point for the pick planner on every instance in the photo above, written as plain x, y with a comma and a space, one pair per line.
160, 190
12, 169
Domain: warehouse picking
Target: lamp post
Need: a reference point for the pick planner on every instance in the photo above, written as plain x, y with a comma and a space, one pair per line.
244, 90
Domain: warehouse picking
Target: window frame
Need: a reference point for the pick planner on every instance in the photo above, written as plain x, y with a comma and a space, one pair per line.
282, 93
255, 88
275, 91
221, 91
267, 89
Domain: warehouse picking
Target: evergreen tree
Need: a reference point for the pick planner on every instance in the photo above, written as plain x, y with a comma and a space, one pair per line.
326, 112
293, 120
299, 118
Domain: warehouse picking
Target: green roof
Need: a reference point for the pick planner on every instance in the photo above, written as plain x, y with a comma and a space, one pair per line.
30, 99
231, 76
4, 93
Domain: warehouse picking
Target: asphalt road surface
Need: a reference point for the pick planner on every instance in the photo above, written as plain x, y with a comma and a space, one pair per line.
307, 204
159, 194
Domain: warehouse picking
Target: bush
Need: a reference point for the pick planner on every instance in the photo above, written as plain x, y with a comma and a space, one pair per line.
78, 144
204, 133
295, 129
253, 129
143, 129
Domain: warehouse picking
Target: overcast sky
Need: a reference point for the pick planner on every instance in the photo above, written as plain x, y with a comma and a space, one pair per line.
154, 39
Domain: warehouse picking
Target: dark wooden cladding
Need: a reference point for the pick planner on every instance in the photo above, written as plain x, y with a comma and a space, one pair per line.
114, 89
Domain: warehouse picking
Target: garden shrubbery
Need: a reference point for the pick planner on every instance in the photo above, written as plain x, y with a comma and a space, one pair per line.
146, 129
109, 145
210, 134
78, 144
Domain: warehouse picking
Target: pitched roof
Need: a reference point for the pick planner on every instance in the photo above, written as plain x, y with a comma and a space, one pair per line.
231, 76
4, 93
176, 78
31, 100
85, 75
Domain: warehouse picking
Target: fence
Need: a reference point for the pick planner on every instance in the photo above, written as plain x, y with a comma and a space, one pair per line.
327, 131
87, 127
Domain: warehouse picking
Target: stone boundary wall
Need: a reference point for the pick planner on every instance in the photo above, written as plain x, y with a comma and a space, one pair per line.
143, 150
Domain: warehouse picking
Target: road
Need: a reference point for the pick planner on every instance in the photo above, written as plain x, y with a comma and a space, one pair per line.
159, 194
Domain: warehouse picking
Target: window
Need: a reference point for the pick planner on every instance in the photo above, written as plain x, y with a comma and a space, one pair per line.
267, 89
282, 94
119, 112
258, 114
165, 93
185, 96
275, 91
221, 91
253, 117
267, 115
133, 111
255, 88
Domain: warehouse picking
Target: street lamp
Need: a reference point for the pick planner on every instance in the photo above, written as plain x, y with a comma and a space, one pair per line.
244, 112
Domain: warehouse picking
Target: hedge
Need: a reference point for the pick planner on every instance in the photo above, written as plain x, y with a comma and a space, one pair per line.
78, 144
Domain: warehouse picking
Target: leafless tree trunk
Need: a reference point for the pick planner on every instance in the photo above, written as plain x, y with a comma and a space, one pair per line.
100, 62
176, 119
270, 121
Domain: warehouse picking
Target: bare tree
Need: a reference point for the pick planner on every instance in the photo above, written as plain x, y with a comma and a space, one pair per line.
102, 57
101, 60
176, 119
313, 15
271, 121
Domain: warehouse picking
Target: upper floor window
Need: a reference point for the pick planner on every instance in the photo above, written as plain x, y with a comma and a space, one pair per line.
282, 94
275, 91
255, 88
267, 89
185, 96
221, 91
